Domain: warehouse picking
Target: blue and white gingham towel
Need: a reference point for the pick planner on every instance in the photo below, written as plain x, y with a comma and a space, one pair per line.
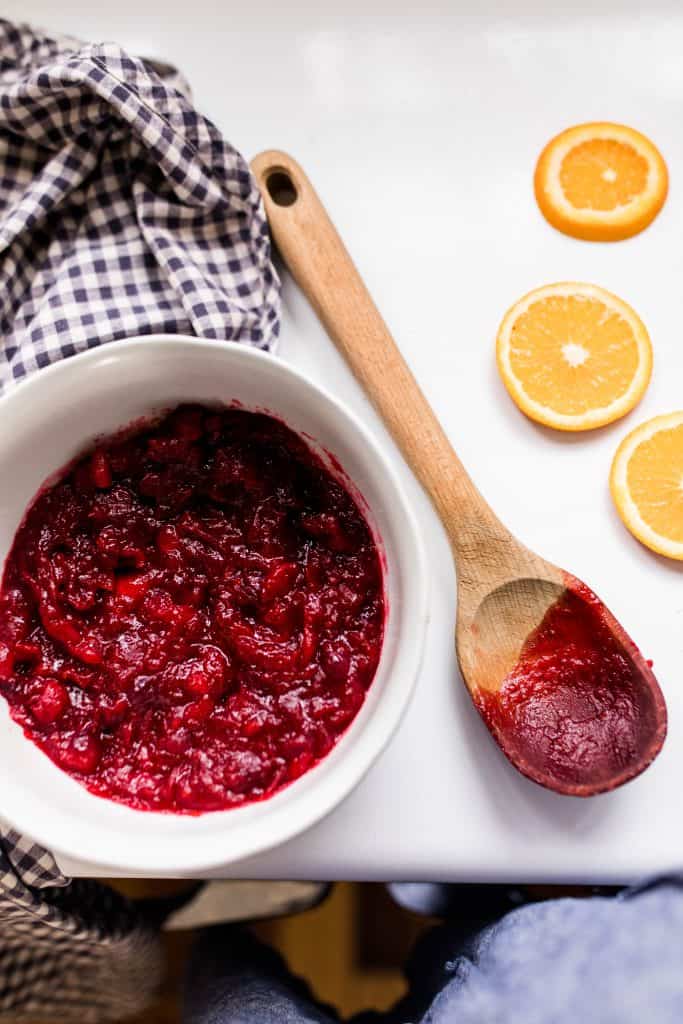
123, 211
69, 951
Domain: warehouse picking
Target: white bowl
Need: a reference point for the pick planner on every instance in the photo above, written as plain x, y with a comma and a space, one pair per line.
59, 411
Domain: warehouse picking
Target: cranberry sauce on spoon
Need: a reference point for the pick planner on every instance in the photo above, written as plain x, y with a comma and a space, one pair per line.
191, 616
579, 708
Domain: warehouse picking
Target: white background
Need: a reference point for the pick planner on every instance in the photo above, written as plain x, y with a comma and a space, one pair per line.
420, 125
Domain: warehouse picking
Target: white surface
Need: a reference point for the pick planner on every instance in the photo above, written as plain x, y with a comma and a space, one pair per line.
44, 424
420, 125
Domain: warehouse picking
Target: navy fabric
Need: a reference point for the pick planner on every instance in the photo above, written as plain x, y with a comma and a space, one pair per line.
234, 979
123, 211
612, 960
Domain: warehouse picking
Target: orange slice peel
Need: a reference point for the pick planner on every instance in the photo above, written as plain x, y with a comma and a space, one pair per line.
573, 356
600, 181
646, 482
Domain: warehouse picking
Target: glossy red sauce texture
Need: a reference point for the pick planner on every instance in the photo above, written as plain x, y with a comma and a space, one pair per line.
576, 709
190, 617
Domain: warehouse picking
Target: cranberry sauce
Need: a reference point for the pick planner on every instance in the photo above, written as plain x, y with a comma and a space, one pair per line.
191, 616
577, 709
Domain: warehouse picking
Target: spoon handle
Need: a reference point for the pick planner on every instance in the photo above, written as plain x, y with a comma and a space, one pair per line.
320, 264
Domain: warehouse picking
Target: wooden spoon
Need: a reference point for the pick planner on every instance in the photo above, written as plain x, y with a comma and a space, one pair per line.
563, 689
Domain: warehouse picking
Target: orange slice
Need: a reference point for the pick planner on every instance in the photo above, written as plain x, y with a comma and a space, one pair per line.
600, 181
647, 484
573, 356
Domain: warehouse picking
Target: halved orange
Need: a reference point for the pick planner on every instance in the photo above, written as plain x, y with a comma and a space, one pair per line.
647, 483
573, 356
600, 181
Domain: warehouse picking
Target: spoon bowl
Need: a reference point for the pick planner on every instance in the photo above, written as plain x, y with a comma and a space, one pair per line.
565, 692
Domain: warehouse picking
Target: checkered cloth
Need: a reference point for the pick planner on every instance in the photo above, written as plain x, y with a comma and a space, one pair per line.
69, 951
122, 210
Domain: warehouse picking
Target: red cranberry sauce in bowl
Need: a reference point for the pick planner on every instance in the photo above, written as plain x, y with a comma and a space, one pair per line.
192, 613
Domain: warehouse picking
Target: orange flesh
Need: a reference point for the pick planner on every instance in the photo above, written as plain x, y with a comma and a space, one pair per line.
601, 174
554, 331
655, 482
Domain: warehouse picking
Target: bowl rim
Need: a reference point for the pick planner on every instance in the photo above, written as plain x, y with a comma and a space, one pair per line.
338, 783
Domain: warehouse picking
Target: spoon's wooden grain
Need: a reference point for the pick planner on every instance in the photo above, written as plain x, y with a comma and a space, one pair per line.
504, 589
